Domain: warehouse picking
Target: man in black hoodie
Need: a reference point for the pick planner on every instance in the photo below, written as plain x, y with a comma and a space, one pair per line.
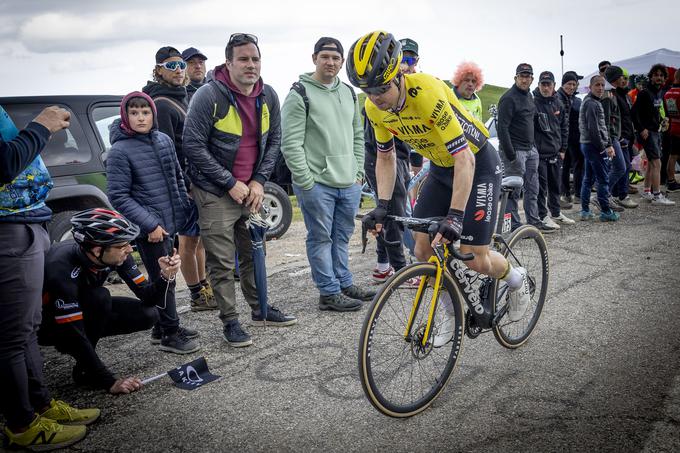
516, 112
195, 69
572, 156
551, 130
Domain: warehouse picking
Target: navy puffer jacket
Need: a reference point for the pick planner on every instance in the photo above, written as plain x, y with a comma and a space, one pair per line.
145, 180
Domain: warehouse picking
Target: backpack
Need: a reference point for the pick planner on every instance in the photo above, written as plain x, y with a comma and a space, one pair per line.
300, 89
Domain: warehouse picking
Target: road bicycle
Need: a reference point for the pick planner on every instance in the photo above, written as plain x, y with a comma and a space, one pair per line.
412, 337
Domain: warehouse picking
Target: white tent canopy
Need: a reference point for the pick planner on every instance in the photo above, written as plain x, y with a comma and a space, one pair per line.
640, 64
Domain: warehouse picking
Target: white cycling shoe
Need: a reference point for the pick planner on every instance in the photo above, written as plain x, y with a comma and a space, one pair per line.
447, 326
519, 298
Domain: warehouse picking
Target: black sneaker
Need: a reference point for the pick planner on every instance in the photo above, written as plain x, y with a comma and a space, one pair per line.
543, 228
355, 292
156, 334
235, 336
178, 343
672, 186
338, 302
275, 317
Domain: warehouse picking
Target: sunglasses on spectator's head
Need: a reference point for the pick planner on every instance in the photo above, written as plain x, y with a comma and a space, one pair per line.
376, 91
173, 65
242, 37
409, 60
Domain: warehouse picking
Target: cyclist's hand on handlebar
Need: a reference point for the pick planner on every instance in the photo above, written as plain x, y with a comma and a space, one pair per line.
374, 220
449, 228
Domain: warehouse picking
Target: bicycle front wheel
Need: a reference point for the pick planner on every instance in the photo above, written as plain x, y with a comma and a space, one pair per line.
526, 248
400, 375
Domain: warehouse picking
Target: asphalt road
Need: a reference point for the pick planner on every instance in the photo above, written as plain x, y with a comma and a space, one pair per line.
601, 372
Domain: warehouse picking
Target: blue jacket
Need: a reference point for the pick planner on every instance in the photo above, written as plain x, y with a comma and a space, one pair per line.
145, 180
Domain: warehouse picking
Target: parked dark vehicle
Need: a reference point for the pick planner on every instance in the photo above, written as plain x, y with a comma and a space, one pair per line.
75, 158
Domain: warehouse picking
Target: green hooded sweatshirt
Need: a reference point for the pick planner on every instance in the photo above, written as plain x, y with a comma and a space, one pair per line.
328, 145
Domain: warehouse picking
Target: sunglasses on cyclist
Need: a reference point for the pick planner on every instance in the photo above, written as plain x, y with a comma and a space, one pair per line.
173, 65
242, 37
410, 61
376, 91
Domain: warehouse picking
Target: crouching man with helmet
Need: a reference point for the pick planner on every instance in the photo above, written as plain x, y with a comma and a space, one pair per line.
78, 311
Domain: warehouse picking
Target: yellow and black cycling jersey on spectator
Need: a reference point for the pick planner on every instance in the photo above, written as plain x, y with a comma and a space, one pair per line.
433, 122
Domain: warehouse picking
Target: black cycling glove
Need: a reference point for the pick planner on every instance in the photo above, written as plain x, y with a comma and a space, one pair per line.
376, 216
451, 226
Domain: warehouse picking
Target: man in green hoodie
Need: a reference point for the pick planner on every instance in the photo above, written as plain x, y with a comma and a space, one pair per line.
323, 143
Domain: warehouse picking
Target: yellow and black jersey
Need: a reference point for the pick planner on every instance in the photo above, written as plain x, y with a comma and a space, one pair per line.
432, 121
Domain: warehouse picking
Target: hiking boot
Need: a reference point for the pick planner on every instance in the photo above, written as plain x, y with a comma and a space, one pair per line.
355, 292
647, 196
626, 203
661, 200
380, 277
44, 434
445, 329
179, 342
672, 186
64, 414
545, 229
157, 336
614, 206
338, 302
609, 216
563, 219
586, 215
235, 336
275, 317
565, 202
595, 202
519, 298
547, 220
205, 300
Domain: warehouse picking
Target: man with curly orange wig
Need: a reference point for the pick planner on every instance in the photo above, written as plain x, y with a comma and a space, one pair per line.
467, 80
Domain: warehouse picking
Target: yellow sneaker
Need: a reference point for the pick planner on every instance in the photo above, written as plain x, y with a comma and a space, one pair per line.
44, 434
62, 413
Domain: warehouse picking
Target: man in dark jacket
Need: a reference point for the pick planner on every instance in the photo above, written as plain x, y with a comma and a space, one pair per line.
232, 139
647, 119
551, 130
627, 128
29, 410
195, 69
573, 158
516, 111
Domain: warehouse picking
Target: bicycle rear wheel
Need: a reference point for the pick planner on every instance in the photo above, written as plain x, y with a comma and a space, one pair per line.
526, 248
401, 376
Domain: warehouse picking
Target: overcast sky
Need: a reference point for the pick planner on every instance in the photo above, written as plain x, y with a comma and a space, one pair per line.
108, 47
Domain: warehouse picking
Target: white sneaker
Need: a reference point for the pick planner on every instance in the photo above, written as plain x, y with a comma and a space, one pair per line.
661, 200
549, 222
446, 327
563, 219
647, 196
519, 298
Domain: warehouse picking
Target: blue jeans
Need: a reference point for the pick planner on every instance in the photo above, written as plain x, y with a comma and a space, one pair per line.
618, 176
329, 218
596, 171
526, 166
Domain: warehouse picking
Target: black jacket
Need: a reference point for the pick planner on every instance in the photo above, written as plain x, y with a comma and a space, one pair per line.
573, 105
612, 115
592, 126
625, 105
211, 152
645, 111
551, 125
515, 127
170, 118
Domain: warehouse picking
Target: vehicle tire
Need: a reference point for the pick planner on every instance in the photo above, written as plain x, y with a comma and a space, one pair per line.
59, 227
526, 248
280, 210
399, 375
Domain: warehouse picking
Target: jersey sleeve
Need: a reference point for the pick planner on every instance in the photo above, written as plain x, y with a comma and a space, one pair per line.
383, 137
146, 291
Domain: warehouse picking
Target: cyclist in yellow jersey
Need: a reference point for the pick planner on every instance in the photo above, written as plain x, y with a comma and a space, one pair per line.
463, 187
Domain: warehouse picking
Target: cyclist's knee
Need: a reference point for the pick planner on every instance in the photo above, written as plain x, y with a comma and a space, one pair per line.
423, 250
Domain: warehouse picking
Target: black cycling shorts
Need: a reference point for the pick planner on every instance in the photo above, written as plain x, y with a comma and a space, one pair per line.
481, 211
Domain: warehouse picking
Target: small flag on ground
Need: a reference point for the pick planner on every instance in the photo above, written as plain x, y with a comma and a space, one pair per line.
192, 375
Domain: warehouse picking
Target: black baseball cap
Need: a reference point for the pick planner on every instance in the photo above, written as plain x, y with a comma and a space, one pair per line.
571, 76
321, 44
546, 76
524, 68
192, 52
166, 52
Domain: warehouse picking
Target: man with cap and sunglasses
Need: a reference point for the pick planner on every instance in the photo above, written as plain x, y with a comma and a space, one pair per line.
572, 158
195, 61
516, 111
232, 138
327, 165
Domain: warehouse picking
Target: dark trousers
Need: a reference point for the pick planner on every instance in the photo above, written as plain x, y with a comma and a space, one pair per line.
549, 186
573, 162
393, 254
621, 166
150, 252
22, 261
596, 171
